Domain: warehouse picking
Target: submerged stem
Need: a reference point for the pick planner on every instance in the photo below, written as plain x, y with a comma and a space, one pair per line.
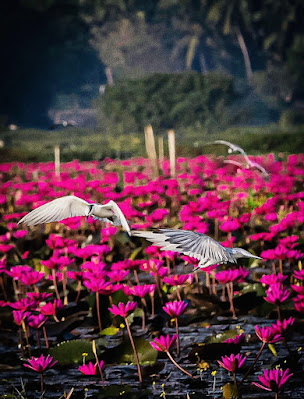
134, 349
98, 311
178, 366
177, 337
255, 360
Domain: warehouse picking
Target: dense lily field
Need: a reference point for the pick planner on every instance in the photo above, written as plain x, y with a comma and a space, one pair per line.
88, 311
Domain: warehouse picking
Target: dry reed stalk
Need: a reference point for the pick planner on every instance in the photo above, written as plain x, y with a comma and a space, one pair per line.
172, 155
151, 150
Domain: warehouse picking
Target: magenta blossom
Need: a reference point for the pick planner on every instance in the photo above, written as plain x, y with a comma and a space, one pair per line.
267, 334
122, 309
51, 308
276, 294
299, 274
269, 279
227, 276
273, 380
19, 316
175, 309
32, 277
299, 289
37, 321
140, 290
232, 362
91, 369
163, 343
281, 326
299, 303
176, 280
236, 340
40, 364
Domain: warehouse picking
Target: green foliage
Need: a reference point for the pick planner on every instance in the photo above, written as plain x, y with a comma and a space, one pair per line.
168, 100
222, 336
291, 117
71, 352
123, 354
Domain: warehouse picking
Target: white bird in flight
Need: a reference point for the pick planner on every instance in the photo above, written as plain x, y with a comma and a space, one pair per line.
196, 245
71, 206
232, 148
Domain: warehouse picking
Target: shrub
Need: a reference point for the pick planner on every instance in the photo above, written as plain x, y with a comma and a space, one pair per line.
168, 100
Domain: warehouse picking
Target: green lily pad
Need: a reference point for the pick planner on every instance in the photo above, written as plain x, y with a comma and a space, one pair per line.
222, 336
119, 296
135, 253
110, 331
71, 352
123, 353
230, 391
137, 313
255, 287
113, 391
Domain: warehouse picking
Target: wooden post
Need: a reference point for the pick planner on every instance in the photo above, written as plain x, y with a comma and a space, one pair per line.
151, 151
57, 160
161, 153
172, 156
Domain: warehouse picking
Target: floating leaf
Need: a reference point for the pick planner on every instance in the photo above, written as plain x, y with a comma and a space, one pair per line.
123, 353
137, 313
273, 349
255, 287
222, 336
212, 351
230, 391
110, 331
135, 253
70, 352
115, 391
119, 296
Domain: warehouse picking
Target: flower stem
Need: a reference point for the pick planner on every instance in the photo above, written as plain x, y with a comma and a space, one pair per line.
177, 337
98, 311
134, 349
41, 383
45, 337
55, 283
255, 360
279, 312
236, 385
178, 366
78, 290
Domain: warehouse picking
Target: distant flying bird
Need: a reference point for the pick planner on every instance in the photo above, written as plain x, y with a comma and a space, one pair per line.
252, 164
234, 163
232, 147
236, 148
196, 245
70, 206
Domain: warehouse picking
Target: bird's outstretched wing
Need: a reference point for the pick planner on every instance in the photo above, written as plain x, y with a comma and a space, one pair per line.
195, 245
119, 215
56, 210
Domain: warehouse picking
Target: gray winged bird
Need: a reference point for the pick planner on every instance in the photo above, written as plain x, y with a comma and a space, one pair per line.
196, 245
70, 206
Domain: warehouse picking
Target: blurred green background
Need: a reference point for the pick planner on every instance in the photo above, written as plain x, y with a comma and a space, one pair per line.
89, 75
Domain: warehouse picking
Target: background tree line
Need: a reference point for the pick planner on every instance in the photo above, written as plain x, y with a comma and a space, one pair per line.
57, 53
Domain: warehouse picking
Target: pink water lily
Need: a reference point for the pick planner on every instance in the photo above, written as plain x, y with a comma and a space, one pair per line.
175, 309
163, 343
123, 310
267, 334
273, 380
90, 368
276, 294
41, 363
232, 362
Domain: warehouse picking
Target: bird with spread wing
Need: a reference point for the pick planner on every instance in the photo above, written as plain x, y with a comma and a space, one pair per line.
196, 245
70, 206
